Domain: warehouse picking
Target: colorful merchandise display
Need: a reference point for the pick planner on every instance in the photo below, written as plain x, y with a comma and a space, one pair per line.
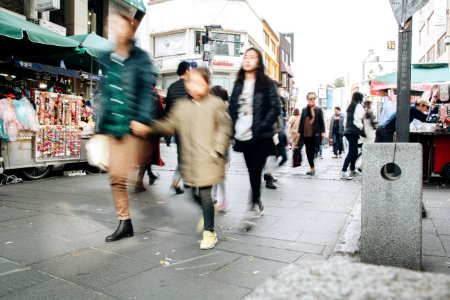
9, 126
59, 136
58, 142
26, 115
58, 109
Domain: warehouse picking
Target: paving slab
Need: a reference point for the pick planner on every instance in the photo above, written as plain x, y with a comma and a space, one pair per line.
274, 254
11, 213
15, 277
445, 239
9, 234
93, 268
57, 289
436, 264
163, 283
431, 245
318, 238
247, 271
187, 257
39, 247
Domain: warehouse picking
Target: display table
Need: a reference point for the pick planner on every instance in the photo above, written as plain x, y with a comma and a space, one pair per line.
436, 153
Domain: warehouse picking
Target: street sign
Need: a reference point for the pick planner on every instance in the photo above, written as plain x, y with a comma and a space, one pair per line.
47, 5
405, 9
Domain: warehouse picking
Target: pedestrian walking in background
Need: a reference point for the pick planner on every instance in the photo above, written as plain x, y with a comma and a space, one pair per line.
354, 127
219, 190
311, 129
126, 96
337, 132
152, 149
177, 91
254, 109
293, 123
279, 150
369, 131
204, 129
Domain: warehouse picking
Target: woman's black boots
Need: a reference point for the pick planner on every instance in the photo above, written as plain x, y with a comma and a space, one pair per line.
125, 229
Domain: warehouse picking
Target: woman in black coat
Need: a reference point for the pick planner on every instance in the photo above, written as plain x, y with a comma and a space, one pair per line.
254, 109
311, 129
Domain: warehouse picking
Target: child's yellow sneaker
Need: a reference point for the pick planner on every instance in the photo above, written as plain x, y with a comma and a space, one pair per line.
209, 240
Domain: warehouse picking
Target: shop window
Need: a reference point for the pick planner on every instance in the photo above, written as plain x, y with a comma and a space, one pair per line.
224, 43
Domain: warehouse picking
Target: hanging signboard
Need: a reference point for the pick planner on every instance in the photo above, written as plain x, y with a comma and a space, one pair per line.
47, 5
405, 9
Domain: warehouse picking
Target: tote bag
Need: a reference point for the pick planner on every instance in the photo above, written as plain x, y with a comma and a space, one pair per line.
98, 151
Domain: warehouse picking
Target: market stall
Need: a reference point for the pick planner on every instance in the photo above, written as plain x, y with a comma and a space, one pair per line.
432, 81
35, 140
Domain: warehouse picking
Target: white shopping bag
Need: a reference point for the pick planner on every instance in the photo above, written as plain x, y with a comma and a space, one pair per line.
98, 151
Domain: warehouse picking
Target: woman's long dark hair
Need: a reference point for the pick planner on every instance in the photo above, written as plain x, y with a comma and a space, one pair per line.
262, 80
357, 98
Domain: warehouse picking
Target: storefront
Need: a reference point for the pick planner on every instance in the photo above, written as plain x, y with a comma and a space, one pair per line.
43, 122
432, 80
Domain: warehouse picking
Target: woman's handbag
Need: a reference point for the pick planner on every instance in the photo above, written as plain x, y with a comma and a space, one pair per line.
296, 157
98, 151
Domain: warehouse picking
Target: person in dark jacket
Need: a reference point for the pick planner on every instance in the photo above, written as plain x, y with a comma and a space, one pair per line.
385, 131
354, 127
177, 92
126, 95
311, 129
254, 109
337, 132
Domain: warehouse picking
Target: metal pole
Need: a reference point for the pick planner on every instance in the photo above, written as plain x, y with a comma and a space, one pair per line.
404, 82
91, 75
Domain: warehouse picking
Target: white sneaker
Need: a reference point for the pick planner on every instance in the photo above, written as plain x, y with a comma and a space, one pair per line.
354, 173
344, 175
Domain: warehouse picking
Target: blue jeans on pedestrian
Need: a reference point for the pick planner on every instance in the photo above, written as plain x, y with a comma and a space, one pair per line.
337, 144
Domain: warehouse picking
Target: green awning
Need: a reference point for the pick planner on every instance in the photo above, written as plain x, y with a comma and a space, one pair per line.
93, 44
14, 27
26, 41
93, 47
421, 73
138, 4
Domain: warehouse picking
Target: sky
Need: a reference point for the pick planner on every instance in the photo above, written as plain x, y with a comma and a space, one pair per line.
332, 37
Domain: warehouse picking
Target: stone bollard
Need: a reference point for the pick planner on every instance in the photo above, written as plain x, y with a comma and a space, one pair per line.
391, 220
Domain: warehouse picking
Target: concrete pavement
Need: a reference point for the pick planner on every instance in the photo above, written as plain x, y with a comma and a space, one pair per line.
52, 236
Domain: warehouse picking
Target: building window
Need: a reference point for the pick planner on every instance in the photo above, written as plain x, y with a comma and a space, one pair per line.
440, 46
224, 43
287, 59
266, 39
283, 55
430, 55
169, 45
420, 35
274, 71
429, 23
272, 46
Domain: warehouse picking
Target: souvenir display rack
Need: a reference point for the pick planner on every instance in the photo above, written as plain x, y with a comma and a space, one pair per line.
59, 136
